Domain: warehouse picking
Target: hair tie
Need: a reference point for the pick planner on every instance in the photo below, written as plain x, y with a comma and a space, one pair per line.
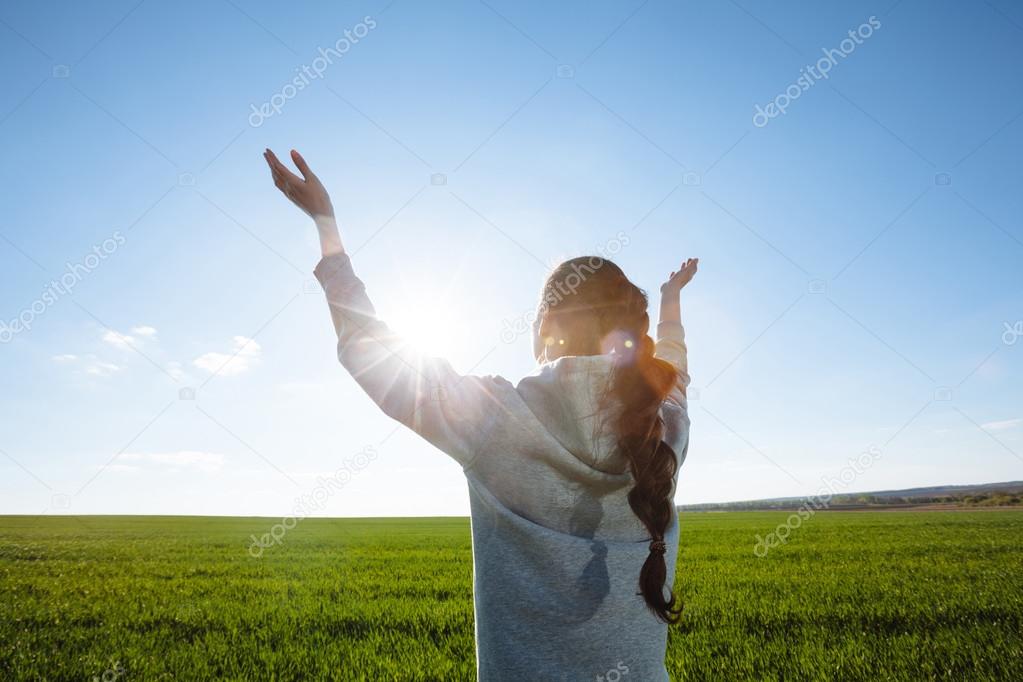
658, 546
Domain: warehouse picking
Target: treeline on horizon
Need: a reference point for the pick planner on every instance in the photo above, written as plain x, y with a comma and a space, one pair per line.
992, 498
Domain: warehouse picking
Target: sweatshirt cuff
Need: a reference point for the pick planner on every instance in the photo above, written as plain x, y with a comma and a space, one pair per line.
671, 331
671, 346
335, 274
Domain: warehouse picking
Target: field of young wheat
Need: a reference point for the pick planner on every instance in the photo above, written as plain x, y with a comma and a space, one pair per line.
850, 596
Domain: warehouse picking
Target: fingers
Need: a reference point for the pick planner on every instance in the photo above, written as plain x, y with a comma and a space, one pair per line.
303, 167
286, 175
271, 161
278, 180
273, 171
279, 168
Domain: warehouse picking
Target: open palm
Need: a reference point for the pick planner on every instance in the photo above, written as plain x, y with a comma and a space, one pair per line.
677, 280
307, 192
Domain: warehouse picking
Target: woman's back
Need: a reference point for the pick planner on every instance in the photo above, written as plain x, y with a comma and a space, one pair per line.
557, 548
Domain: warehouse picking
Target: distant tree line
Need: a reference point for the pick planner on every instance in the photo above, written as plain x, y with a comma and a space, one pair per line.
993, 498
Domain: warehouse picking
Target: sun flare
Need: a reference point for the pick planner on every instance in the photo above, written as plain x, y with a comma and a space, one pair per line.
433, 330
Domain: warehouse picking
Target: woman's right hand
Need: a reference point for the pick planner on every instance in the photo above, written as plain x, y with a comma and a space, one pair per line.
307, 192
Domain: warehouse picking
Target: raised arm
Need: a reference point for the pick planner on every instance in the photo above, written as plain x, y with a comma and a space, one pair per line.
451, 411
671, 337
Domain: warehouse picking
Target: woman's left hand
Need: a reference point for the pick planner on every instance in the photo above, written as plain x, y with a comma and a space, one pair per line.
307, 192
677, 280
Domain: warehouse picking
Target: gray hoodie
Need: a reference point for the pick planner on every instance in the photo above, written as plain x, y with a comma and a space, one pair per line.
556, 548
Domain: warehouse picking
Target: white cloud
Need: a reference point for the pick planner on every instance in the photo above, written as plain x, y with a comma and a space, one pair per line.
89, 364
207, 462
118, 340
138, 333
1002, 425
101, 368
242, 357
95, 365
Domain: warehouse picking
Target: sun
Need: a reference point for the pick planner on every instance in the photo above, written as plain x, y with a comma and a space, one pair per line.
432, 329
440, 316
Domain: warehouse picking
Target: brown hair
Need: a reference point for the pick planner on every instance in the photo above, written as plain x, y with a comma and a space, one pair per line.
599, 310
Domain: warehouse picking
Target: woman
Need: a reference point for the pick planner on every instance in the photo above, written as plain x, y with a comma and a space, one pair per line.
571, 472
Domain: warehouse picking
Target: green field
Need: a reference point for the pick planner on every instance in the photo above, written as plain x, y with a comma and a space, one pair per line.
851, 596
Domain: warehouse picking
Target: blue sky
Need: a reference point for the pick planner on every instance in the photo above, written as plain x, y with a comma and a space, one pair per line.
860, 282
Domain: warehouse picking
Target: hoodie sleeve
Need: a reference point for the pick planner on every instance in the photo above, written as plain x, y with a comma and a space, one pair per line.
671, 347
451, 411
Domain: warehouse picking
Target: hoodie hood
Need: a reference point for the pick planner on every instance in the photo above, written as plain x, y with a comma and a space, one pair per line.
569, 396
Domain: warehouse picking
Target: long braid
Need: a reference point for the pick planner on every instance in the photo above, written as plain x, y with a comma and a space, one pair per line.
641, 383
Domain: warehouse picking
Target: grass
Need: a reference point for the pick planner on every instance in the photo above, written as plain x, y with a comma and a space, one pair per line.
851, 596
